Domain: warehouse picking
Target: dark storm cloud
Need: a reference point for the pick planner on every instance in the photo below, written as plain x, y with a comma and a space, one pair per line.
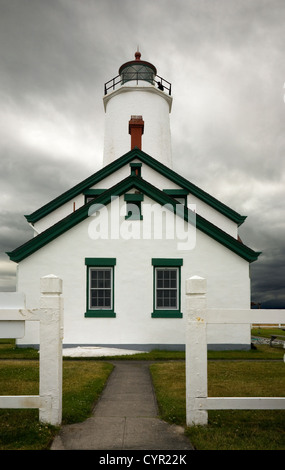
27, 183
47, 179
225, 61
45, 46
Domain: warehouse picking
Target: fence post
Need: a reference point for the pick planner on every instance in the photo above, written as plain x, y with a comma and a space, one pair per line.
196, 351
51, 335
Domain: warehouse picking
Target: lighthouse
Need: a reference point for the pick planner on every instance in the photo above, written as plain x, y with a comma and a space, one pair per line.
137, 104
126, 239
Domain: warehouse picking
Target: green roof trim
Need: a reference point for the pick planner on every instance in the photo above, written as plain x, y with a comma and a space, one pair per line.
130, 197
119, 189
116, 165
93, 192
176, 192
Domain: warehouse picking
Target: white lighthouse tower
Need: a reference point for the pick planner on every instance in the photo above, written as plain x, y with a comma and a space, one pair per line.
137, 105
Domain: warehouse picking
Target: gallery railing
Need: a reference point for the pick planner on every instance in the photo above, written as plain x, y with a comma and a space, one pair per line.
161, 83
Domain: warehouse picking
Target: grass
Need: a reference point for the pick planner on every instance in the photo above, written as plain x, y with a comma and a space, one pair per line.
239, 373
268, 331
231, 429
82, 385
8, 350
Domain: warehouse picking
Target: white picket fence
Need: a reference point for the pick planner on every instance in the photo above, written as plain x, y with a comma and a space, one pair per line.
198, 317
13, 316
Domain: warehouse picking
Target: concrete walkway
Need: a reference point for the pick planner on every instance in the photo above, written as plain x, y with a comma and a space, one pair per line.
125, 417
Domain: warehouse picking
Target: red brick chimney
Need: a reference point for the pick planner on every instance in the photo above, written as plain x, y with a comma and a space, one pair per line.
136, 128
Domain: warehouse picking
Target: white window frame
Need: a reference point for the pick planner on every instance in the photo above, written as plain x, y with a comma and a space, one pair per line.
101, 268
176, 289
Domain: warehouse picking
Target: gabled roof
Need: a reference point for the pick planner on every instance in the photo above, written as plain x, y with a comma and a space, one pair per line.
155, 194
116, 165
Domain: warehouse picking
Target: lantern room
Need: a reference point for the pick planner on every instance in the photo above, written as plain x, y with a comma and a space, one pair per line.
137, 72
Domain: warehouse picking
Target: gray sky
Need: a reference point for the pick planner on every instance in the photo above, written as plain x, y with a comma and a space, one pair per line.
225, 60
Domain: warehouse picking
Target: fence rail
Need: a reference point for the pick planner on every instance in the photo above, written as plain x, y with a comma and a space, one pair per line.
198, 317
240, 316
24, 401
50, 317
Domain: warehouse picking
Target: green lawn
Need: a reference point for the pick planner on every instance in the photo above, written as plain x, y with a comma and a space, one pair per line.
8, 350
257, 372
231, 429
268, 331
83, 383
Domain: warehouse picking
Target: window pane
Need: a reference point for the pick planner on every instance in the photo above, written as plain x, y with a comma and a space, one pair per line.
159, 303
134, 210
166, 303
94, 299
100, 288
166, 288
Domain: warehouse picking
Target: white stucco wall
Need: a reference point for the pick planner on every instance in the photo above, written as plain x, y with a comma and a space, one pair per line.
226, 273
214, 216
58, 214
154, 107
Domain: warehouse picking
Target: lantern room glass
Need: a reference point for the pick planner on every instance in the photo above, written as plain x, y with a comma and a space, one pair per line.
136, 72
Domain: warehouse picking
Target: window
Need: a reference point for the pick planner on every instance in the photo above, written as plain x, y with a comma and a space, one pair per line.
180, 195
134, 210
100, 281
166, 288
92, 194
166, 296
100, 287
137, 72
133, 206
136, 169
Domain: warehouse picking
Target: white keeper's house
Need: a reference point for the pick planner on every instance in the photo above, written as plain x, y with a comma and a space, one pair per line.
125, 239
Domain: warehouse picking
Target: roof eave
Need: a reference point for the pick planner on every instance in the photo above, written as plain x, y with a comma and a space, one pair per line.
156, 194
117, 164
